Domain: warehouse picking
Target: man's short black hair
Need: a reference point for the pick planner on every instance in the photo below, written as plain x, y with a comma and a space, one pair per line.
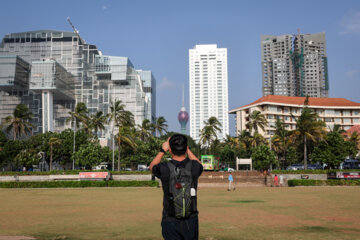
178, 144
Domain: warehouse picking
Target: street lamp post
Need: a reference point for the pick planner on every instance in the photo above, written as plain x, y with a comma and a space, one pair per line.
73, 163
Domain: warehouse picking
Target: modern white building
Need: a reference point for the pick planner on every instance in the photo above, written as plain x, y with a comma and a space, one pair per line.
208, 81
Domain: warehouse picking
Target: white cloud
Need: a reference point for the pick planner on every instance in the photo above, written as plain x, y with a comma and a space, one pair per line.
351, 22
166, 84
351, 73
104, 7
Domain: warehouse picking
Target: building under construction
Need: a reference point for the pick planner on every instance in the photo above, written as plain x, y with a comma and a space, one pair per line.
51, 71
294, 65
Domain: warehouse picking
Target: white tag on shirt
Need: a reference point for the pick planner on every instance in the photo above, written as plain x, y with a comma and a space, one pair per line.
193, 192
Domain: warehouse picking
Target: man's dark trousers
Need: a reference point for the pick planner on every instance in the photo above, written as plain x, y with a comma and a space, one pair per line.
187, 229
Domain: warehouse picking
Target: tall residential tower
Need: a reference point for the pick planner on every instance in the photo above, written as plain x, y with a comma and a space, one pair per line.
294, 65
208, 88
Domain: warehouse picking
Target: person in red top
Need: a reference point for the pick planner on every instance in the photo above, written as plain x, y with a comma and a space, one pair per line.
276, 181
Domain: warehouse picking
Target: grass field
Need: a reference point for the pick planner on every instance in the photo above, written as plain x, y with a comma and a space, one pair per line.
135, 213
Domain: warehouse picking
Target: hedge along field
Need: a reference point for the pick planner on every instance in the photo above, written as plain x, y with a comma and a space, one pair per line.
135, 213
330, 182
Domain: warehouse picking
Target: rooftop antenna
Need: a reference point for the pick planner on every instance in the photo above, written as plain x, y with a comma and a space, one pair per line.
298, 30
73, 27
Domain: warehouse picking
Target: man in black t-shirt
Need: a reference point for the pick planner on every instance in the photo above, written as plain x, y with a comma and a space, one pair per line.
173, 228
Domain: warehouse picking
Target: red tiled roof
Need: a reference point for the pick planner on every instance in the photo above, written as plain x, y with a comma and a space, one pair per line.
355, 128
326, 102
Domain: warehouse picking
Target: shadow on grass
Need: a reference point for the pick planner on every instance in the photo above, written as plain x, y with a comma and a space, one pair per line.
246, 201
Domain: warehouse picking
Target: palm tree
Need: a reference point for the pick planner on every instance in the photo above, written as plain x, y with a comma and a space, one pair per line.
52, 142
206, 136
77, 117
355, 138
145, 129
116, 108
233, 142
337, 128
125, 123
97, 121
19, 123
80, 116
244, 139
257, 140
124, 137
160, 126
256, 121
209, 132
281, 139
214, 123
308, 129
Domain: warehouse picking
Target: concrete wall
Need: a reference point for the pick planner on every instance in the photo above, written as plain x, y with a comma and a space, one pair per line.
132, 177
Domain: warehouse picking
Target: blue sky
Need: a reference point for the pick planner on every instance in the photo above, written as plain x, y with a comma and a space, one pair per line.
156, 35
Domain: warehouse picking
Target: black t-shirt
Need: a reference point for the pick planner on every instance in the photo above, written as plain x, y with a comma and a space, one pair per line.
162, 171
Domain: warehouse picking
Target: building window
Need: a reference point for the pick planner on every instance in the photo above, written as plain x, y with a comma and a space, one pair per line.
328, 120
329, 112
272, 108
346, 113
347, 120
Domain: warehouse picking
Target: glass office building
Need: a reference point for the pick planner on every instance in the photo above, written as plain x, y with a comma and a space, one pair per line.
149, 84
118, 80
72, 71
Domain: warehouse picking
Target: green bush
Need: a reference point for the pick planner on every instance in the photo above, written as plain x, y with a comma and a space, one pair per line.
330, 182
70, 172
318, 171
78, 184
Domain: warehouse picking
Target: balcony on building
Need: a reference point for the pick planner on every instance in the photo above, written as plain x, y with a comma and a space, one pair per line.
113, 68
14, 73
49, 75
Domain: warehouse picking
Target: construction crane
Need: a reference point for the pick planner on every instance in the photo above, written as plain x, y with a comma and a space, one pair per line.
75, 30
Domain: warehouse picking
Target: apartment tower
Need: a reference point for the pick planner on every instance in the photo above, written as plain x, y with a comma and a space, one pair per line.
208, 88
294, 65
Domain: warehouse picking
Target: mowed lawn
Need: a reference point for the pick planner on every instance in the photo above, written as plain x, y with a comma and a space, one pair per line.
135, 213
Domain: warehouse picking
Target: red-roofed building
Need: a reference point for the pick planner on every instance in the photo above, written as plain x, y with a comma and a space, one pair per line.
353, 129
330, 110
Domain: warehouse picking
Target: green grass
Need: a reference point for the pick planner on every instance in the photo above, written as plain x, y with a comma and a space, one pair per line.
135, 213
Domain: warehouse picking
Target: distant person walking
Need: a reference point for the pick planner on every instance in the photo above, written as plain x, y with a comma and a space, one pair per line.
281, 180
276, 181
231, 182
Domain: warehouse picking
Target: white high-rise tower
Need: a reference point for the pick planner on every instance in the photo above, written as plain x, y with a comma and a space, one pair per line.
208, 88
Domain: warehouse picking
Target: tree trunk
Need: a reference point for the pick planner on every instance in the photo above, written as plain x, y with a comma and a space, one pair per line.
51, 159
113, 146
119, 154
305, 153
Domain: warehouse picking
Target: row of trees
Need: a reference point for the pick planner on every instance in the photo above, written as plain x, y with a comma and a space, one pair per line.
310, 140
80, 145
139, 143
